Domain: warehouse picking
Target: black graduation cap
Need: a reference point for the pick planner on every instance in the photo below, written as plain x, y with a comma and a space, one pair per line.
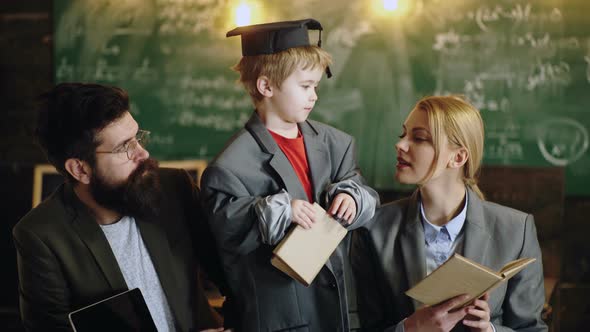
269, 38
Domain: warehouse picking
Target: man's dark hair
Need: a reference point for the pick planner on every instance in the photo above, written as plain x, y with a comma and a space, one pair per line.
70, 116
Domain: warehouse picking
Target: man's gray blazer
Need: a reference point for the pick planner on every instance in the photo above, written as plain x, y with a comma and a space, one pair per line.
389, 258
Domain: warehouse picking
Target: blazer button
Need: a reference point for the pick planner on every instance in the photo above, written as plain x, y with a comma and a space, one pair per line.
333, 285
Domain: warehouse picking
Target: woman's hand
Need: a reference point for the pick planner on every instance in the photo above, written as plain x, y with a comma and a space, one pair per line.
478, 319
440, 318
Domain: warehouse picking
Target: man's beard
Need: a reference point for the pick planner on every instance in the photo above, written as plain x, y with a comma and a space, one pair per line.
139, 196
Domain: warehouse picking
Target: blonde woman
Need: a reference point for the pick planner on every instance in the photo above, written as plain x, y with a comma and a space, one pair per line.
440, 150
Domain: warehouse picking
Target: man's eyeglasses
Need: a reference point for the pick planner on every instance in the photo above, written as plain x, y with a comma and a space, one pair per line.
141, 138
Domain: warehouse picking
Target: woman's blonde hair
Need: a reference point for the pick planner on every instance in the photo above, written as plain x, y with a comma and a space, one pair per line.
462, 124
278, 66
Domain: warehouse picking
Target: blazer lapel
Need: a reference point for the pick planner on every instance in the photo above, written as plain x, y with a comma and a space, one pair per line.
155, 239
90, 233
277, 159
412, 245
283, 168
477, 235
158, 245
317, 158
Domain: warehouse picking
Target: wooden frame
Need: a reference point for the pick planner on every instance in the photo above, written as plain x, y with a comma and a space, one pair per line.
195, 168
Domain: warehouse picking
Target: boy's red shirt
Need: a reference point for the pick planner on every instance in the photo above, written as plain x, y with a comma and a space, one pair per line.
294, 149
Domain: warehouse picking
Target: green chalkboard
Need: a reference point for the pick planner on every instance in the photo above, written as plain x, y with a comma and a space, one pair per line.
525, 64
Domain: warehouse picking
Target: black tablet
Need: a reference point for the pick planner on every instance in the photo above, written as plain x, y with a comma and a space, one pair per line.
125, 311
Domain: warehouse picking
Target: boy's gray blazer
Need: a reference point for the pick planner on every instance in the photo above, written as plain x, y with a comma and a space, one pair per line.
251, 167
389, 258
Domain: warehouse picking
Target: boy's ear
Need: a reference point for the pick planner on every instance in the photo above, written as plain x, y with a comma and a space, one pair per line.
79, 170
459, 158
264, 86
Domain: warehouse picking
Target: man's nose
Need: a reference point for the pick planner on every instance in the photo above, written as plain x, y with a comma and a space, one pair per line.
141, 153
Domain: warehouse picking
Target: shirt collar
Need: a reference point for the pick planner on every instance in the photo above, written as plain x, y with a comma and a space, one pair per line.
454, 226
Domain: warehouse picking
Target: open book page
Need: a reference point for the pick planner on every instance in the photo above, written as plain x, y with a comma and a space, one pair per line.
305, 251
508, 271
455, 277
460, 275
514, 267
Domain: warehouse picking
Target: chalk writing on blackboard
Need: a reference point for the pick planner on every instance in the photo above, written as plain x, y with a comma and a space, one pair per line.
162, 139
475, 91
64, 71
189, 17
218, 122
504, 141
522, 63
562, 140
487, 17
549, 74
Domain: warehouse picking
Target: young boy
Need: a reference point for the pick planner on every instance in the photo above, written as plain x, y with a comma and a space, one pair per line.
271, 172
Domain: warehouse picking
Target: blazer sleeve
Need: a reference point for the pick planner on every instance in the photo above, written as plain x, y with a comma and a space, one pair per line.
349, 180
43, 293
525, 294
231, 212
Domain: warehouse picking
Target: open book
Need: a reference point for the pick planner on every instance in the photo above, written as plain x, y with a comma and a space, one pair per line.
459, 275
303, 252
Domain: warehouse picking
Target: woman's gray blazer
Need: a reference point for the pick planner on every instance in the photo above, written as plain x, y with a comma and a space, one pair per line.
389, 258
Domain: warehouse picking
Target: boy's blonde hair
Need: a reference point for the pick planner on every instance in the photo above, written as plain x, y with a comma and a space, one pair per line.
462, 124
278, 66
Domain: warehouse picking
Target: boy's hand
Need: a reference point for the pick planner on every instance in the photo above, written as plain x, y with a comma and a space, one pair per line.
302, 213
343, 208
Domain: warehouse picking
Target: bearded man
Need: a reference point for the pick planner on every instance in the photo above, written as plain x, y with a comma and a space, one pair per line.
117, 223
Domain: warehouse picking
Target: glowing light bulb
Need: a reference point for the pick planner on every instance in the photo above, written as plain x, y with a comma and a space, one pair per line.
243, 14
390, 5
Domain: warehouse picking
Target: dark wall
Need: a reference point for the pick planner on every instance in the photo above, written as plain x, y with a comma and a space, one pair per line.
25, 71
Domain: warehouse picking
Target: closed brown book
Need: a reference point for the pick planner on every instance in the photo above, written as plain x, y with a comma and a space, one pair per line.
460, 275
303, 252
